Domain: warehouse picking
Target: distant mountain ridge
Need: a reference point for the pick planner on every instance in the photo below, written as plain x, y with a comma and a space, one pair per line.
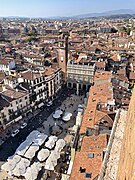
106, 13
127, 12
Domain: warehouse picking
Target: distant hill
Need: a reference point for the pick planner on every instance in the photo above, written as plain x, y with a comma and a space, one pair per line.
107, 13
121, 13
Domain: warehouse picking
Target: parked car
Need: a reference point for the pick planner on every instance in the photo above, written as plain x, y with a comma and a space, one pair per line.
15, 133
49, 103
23, 125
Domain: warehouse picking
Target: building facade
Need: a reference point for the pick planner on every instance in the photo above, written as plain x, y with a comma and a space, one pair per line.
80, 75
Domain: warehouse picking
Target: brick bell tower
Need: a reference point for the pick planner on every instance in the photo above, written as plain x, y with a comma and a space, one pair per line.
63, 56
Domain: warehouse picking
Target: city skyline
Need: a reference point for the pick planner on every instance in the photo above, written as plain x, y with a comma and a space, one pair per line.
44, 8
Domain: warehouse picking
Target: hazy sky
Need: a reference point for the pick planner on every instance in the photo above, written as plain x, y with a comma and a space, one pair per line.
46, 8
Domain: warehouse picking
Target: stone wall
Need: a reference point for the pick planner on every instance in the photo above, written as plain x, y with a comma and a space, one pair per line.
111, 160
126, 170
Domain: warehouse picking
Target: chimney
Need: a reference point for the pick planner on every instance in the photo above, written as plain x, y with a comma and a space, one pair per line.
96, 130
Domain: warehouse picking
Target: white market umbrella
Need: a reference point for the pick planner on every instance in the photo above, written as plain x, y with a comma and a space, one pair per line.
68, 114
19, 170
43, 154
56, 116
23, 147
8, 166
60, 145
32, 171
30, 153
40, 139
49, 165
25, 162
33, 135
53, 138
59, 112
65, 118
14, 158
51, 142
30, 175
54, 155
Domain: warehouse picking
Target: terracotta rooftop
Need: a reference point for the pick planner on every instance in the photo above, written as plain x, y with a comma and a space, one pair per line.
102, 75
30, 75
98, 93
132, 76
11, 94
101, 64
88, 161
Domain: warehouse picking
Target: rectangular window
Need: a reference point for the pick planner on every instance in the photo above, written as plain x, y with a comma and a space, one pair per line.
88, 175
90, 155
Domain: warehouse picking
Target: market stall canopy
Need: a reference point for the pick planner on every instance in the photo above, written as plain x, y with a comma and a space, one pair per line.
40, 139
52, 160
30, 153
79, 118
51, 142
43, 154
8, 166
60, 145
23, 147
32, 171
19, 170
24, 162
20, 167
33, 135
49, 165
55, 155
14, 158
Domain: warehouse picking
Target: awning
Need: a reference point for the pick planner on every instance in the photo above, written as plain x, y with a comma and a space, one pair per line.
18, 118
40, 105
